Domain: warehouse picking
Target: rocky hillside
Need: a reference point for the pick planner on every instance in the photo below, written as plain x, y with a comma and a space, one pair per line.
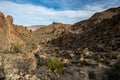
87, 44
96, 18
87, 50
13, 34
103, 36
51, 31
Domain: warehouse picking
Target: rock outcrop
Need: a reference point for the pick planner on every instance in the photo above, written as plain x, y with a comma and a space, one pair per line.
3, 33
14, 34
51, 31
17, 61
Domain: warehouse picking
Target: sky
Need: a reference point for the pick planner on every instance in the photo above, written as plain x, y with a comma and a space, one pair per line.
44, 12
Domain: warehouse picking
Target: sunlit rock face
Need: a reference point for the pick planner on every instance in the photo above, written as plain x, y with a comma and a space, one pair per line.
3, 32
9, 19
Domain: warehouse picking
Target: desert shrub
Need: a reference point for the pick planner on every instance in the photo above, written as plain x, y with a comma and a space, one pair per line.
16, 48
55, 65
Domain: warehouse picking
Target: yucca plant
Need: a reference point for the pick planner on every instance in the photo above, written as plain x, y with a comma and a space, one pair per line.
55, 65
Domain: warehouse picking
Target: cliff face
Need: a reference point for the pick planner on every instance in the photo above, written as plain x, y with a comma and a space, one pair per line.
12, 64
4, 41
13, 34
7, 36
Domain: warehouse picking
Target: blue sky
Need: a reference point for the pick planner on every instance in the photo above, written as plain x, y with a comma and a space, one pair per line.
44, 12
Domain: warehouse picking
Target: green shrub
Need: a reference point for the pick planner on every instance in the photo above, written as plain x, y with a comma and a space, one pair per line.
55, 65
16, 48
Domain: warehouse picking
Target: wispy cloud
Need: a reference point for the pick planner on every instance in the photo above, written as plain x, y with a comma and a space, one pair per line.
105, 4
28, 14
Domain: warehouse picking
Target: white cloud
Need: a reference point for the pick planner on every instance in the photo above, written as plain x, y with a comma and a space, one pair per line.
28, 14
